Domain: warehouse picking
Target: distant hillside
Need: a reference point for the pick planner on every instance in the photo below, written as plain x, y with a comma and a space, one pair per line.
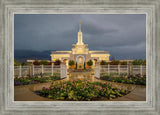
23, 55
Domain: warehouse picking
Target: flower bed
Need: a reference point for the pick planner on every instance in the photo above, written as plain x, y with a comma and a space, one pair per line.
34, 80
81, 91
127, 80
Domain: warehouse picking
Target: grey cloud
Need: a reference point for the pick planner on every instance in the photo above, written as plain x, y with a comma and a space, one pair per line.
121, 34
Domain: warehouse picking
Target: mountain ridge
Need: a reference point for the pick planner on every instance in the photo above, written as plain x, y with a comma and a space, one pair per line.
24, 55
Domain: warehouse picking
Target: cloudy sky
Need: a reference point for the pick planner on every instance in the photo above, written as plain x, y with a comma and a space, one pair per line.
123, 35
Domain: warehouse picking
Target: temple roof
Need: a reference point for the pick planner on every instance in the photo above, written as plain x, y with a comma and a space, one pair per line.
98, 52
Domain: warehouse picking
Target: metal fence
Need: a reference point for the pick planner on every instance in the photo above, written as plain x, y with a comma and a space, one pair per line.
122, 70
37, 70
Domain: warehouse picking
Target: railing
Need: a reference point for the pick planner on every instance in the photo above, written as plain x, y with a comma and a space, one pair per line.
123, 70
37, 70
50, 70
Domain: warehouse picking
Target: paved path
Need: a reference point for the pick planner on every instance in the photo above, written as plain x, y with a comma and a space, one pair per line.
137, 94
25, 93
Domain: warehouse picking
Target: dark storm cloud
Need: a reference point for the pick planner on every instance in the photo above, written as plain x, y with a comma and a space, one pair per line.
123, 35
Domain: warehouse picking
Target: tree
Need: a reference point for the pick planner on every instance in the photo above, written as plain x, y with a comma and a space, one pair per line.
49, 63
114, 62
90, 63
139, 62
144, 62
71, 62
103, 62
23, 64
36, 62
57, 62
123, 63
84, 66
44, 62
135, 62
16, 63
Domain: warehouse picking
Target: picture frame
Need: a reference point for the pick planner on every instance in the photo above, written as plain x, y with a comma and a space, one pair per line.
150, 8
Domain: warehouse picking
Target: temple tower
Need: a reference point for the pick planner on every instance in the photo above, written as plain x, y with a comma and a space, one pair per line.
80, 35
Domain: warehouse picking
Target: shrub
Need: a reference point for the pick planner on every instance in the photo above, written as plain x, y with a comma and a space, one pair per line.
36, 62
23, 64
123, 63
34, 80
103, 62
57, 62
16, 63
44, 62
114, 62
71, 62
90, 63
139, 62
144, 62
128, 80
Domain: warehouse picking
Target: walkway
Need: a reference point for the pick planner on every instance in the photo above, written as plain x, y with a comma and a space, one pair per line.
138, 94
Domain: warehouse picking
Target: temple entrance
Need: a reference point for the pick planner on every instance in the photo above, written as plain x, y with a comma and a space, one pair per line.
80, 62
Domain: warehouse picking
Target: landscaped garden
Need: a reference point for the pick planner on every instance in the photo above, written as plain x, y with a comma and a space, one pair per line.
81, 91
34, 80
132, 79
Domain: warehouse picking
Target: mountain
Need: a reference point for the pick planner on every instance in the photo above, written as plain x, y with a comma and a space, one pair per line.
23, 55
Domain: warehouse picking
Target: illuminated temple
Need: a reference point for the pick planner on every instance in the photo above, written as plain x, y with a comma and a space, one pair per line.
80, 53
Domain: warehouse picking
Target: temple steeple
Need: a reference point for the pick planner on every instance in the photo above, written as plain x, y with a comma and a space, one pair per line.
80, 26
80, 37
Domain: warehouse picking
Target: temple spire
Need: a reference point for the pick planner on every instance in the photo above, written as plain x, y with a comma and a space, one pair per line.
80, 35
80, 26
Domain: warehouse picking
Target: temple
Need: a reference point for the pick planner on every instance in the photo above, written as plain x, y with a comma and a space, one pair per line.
80, 53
